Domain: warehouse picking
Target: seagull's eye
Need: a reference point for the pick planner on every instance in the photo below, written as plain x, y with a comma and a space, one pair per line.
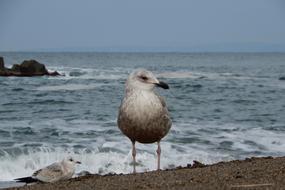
144, 77
71, 160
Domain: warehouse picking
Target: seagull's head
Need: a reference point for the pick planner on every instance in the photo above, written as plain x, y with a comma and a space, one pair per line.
70, 161
144, 80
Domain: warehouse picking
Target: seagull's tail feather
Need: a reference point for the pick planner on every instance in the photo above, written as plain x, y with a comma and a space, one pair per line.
27, 180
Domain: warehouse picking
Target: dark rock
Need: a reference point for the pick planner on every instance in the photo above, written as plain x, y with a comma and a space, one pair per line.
55, 73
197, 164
33, 68
26, 68
2, 63
281, 78
16, 67
238, 176
84, 173
2, 73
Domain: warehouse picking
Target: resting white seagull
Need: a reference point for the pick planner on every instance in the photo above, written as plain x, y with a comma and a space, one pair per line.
143, 115
55, 172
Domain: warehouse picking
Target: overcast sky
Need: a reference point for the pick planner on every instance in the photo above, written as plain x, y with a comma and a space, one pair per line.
141, 24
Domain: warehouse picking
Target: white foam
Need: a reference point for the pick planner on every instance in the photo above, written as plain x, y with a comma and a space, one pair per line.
68, 87
100, 162
90, 73
111, 153
245, 138
199, 75
267, 141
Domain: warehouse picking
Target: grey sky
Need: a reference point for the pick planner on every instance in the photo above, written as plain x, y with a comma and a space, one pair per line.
141, 24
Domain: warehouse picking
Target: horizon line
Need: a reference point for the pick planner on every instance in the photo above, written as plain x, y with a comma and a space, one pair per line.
131, 51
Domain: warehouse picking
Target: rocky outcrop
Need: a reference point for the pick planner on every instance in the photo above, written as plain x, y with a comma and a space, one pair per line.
32, 68
27, 68
2, 64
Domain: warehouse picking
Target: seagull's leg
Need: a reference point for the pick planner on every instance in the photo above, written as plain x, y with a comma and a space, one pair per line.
158, 151
134, 156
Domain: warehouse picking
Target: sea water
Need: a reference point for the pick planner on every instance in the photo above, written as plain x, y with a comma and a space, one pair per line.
223, 106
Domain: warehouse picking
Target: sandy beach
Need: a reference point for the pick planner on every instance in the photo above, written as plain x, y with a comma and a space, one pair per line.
251, 173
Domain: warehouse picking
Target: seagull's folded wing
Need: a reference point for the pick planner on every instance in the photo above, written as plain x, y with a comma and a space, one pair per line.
50, 173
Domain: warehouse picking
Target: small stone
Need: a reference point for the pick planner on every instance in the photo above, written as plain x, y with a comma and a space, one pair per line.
197, 164
84, 173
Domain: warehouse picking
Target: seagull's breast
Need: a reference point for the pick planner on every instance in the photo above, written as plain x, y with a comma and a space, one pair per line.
142, 106
143, 118
146, 104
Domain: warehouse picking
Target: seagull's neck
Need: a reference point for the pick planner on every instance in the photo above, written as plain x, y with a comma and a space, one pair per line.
143, 98
137, 91
67, 168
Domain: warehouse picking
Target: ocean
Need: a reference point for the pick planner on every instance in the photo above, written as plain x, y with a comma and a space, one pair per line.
224, 106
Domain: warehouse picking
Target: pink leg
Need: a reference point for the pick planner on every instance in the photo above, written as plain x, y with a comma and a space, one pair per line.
158, 151
134, 156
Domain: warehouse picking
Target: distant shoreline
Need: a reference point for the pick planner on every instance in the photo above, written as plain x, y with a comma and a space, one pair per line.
254, 173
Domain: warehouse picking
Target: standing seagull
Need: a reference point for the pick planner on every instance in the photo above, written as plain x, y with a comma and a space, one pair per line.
143, 115
57, 171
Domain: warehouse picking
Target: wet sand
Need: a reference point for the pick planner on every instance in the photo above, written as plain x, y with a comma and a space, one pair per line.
251, 173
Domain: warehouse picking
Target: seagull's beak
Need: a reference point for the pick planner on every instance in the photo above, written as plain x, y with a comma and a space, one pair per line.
162, 85
77, 162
